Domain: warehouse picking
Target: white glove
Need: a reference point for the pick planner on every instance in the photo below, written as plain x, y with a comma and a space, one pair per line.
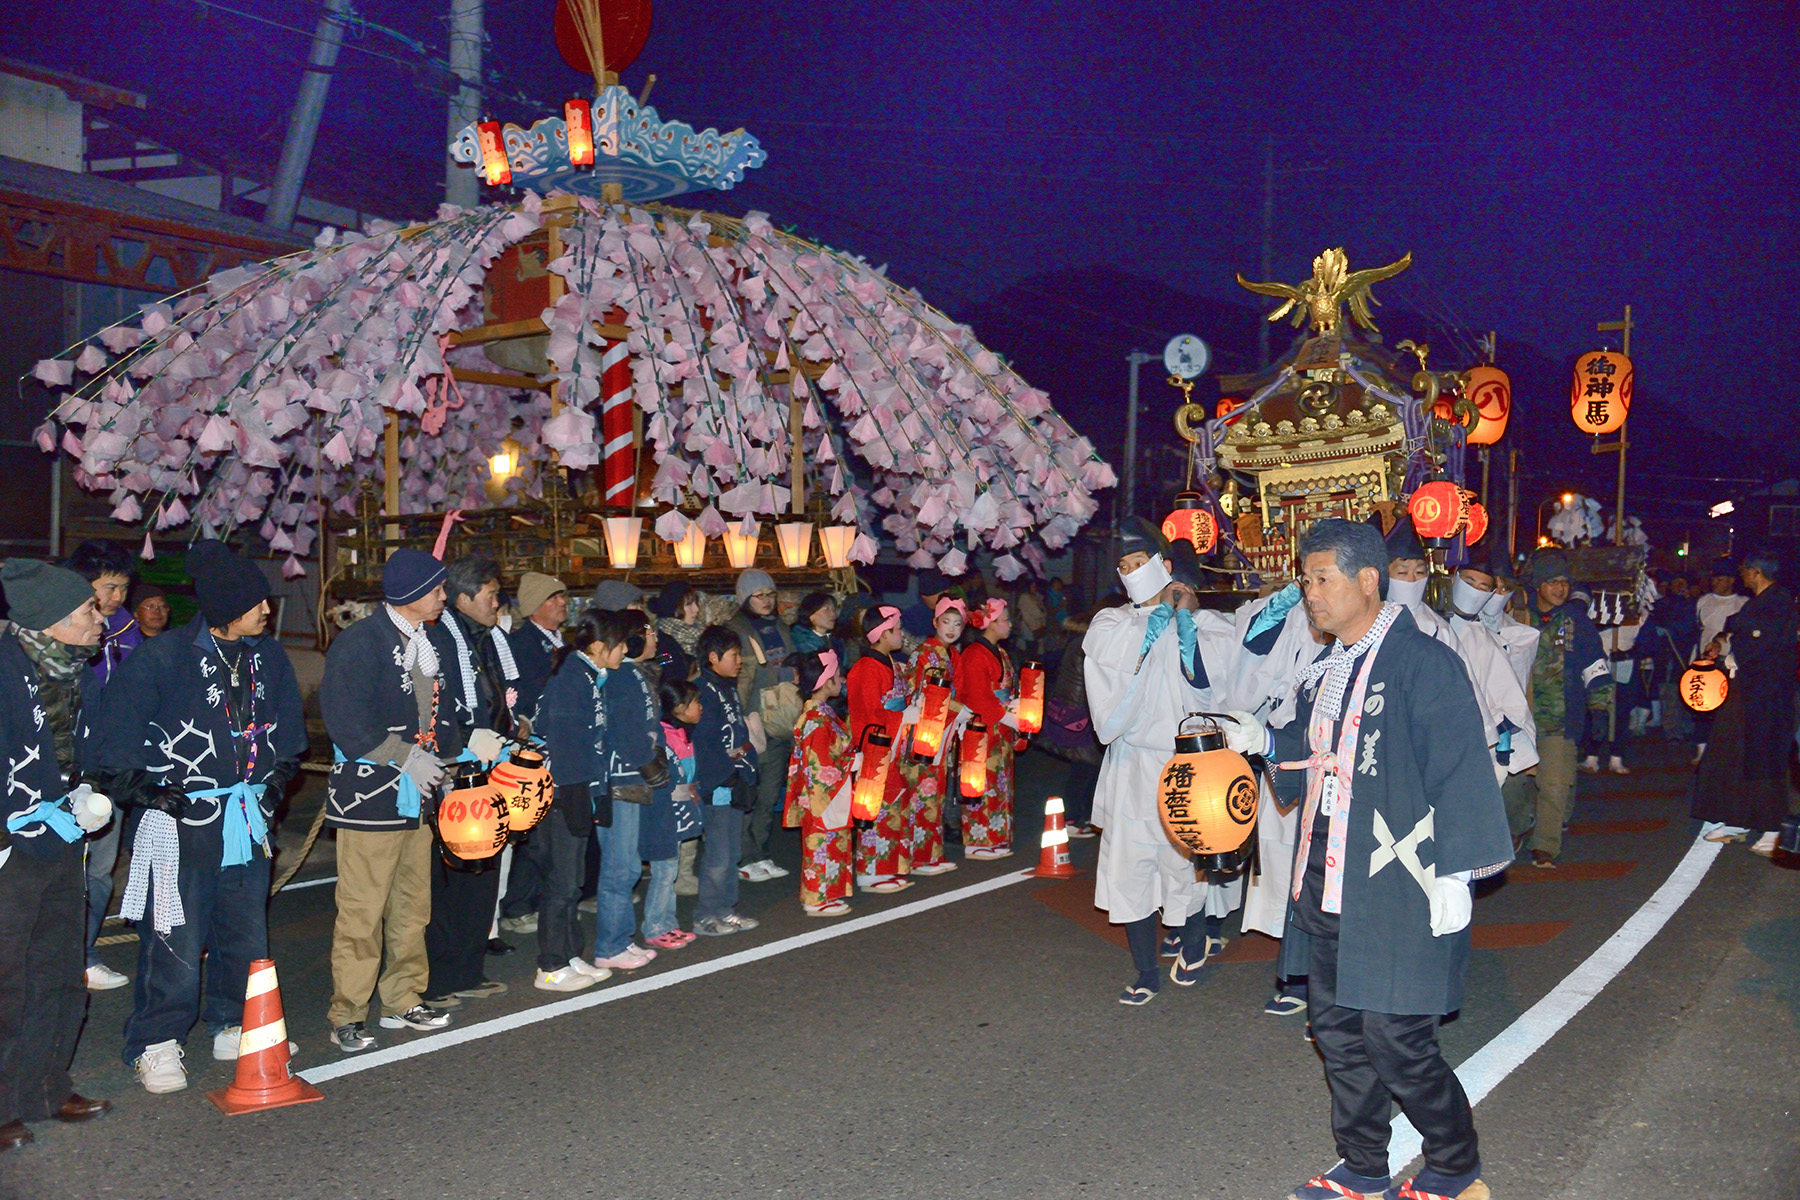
1244, 733
1011, 718
912, 714
425, 769
486, 745
4, 855
92, 809
1451, 905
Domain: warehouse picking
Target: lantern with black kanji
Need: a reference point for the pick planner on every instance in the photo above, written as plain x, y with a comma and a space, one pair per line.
471, 820
1475, 524
522, 782
1490, 390
871, 779
493, 153
1206, 795
1600, 394
1437, 509
1193, 520
972, 759
578, 120
1704, 685
934, 711
1031, 697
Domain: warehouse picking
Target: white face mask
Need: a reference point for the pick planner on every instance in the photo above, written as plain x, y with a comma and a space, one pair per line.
1144, 583
1468, 600
1409, 592
1496, 604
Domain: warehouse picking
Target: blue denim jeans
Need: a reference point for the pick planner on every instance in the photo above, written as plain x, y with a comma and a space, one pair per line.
227, 914
724, 838
659, 898
620, 867
102, 856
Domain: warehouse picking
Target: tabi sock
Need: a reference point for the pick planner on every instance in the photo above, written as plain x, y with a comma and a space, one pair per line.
1193, 938
1140, 935
1432, 1180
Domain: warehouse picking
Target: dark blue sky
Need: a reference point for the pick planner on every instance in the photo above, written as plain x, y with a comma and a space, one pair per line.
1545, 163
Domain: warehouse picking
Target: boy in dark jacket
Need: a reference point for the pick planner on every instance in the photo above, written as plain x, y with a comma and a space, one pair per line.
638, 764
724, 768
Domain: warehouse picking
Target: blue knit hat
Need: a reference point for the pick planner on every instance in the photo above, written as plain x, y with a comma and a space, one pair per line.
410, 575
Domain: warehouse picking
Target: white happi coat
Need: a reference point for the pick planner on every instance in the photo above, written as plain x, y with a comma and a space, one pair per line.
1497, 691
1520, 641
1136, 711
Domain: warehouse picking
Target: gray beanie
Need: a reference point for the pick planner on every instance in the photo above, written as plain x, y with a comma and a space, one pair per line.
38, 595
753, 581
1545, 566
615, 595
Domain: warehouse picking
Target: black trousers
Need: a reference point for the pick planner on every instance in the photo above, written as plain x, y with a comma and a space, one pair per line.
525, 882
1372, 1061
462, 912
560, 936
43, 997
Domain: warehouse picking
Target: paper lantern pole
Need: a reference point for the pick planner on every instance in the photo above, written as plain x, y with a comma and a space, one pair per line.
1622, 327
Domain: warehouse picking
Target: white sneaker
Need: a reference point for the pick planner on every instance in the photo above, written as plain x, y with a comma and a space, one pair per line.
563, 979
159, 1068
630, 958
225, 1044
102, 978
589, 905
771, 871
525, 924
587, 968
752, 873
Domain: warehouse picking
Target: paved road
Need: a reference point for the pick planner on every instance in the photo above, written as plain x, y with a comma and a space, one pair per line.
975, 1049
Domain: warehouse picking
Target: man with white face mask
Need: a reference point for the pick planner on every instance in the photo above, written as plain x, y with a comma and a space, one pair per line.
1407, 574
1149, 663
1499, 689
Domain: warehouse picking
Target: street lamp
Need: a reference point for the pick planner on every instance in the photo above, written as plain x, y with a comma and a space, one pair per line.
1567, 498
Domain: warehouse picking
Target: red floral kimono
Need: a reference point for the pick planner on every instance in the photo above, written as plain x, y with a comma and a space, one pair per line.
817, 769
985, 681
933, 660
882, 845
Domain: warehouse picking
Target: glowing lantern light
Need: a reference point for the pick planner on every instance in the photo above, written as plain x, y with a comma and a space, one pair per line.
523, 784
622, 537
1476, 525
1489, 389
795, 539
972, 759
1600, 396
934, 710
472, 819
1704, 686
871, 781
836, 541
1437, 509
579, 120
1193, 520
1226, 406
493, 153
740, 543
1031, 698
1207, 794
690, 551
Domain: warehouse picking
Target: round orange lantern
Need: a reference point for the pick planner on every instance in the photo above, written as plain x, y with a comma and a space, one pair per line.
972, 759
1192, 520
523, 784
1600, 395
1207, 794
1226, 406
1490, 391
1704, 685
934, 710
871, 780
1437, 509
1475, 524
471, 820
1031, 697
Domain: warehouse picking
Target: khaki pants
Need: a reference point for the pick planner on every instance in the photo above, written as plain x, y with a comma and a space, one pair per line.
1542, 802
383, 900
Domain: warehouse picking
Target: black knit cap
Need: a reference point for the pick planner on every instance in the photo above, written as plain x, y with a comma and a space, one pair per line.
38, 594
227, 584
410, 575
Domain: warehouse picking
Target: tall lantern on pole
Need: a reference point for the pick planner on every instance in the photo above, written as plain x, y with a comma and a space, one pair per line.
972, 759
871, 780
934, 711
1600, 393
1489, 389
1192, 520
1031, 698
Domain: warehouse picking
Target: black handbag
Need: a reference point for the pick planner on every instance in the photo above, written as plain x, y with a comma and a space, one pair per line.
632, 793
656, 771
743, 792
574, 801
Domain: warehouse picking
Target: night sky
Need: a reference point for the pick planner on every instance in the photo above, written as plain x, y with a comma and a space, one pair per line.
1079, 178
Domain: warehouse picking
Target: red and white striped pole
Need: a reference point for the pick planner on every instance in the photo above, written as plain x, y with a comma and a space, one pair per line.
618, 463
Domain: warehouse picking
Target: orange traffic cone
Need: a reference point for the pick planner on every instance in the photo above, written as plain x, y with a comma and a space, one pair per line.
263, 1080
1053, 860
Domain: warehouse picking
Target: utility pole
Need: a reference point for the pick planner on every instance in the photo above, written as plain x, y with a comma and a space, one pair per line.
1135, 359
1622, 327
303, 121
1268, 242
461, 185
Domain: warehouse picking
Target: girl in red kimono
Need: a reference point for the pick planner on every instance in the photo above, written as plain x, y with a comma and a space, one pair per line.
818, 795
985, 681
933, 662
878, 699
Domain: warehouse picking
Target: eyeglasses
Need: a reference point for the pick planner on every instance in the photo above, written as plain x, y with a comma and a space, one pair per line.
762, 595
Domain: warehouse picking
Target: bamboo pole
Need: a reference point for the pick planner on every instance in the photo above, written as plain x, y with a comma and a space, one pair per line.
391, 471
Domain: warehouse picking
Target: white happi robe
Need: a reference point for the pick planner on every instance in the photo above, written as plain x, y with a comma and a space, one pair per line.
1264, 685
1520, 642
1497, 692
1136, 710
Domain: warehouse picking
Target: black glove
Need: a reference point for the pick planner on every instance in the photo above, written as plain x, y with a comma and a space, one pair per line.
656, 771
166, 799
276, 785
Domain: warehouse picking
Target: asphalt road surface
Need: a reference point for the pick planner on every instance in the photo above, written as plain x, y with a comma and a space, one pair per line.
970, 1045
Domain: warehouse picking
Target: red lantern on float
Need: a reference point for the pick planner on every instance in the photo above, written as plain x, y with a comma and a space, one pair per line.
1704, 686
934, 709
578, 120
1437, 509
972, 759
471, 819
1476, 525
523, 784
1226, 406
1192, 520
493, 153
1600, 396
1490, 391
871, 780
1207, 794
1031, 698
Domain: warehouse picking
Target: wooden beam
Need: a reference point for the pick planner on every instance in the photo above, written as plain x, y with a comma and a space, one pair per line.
501, 331
528, 383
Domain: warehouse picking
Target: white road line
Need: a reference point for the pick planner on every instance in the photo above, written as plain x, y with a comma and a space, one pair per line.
1484, 1069
306, 883
369, 1060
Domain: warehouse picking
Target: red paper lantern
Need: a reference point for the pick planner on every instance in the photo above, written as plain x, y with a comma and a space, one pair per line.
472, 818
972, 759
1226, 406
493, 153
1490, 391
1192, 520
624, 28
1437, 509
934, 709
1600, 395
1031, 698
871, 781
1475, 525
578, 119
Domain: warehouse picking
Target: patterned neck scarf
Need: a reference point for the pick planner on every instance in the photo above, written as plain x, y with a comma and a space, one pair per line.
466, 658
1335, 666
59, 668
420, 656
